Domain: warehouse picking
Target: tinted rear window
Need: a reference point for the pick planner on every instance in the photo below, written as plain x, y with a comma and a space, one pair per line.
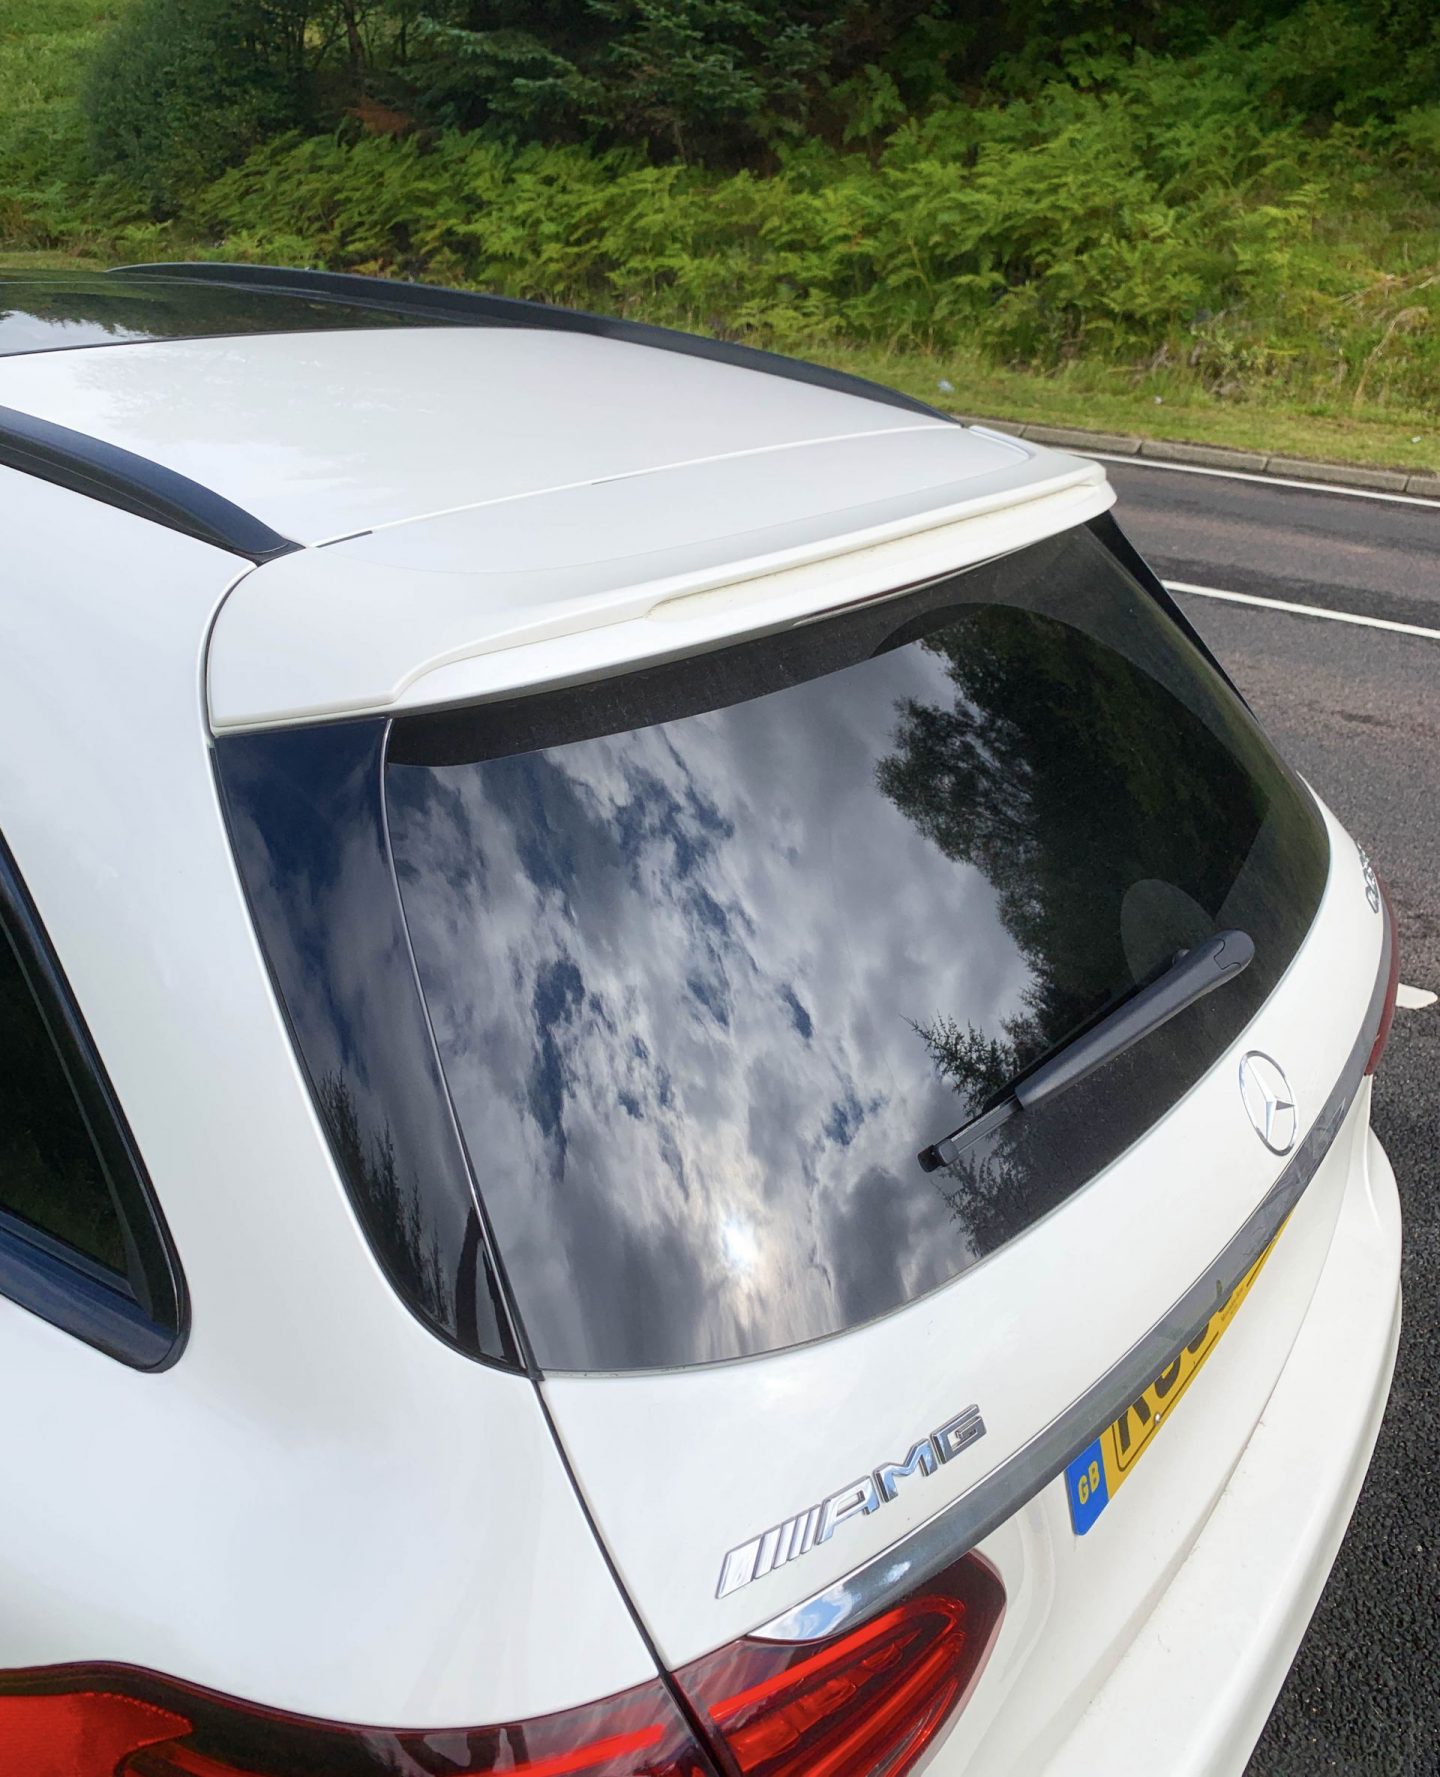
712, 950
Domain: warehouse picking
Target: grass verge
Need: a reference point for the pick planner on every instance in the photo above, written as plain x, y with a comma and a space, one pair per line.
1152, 405
1349, 374
1156, 405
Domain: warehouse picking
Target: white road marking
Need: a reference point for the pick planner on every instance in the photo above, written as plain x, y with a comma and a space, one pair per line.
1249, 598
1310, 487
1410, 999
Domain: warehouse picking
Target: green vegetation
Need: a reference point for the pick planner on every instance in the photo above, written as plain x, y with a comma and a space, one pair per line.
1061, 213
181, 89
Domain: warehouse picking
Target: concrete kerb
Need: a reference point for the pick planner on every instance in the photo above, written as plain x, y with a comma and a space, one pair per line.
1214, 456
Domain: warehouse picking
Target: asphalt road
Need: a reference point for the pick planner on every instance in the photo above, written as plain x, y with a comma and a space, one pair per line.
1358, 711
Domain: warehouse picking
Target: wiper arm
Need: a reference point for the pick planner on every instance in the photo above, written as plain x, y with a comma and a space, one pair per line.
1189, 978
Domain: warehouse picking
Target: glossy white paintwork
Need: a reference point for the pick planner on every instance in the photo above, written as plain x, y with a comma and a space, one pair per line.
533, 591
1215, 1650
325, 434
320, 1506
1107, 1592
1023, 1334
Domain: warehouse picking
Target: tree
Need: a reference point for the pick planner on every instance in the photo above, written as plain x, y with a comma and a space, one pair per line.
714, 80
181, 88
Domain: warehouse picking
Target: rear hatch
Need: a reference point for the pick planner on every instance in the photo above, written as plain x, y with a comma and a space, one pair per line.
718, 934
713, 950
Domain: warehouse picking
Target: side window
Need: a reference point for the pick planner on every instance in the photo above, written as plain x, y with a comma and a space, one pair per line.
81, 1242
50, 1174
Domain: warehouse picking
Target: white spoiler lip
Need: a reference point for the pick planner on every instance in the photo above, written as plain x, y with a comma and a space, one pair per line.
335, 632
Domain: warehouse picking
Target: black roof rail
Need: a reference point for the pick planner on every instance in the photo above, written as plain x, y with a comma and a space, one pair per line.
120, 478
473, 308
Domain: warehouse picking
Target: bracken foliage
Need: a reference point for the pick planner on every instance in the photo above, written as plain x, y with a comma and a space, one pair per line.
1056, 183
1154, 219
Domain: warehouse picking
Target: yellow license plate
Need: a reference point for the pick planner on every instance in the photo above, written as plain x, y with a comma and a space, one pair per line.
1093, 1477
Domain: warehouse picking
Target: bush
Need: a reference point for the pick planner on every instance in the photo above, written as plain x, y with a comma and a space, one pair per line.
707, 80
1203, 220
1160, 222
181, 89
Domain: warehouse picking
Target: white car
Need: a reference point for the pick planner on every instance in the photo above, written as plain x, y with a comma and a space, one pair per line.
658, 1015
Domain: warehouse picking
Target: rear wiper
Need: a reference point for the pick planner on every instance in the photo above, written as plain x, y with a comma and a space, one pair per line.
1190, 977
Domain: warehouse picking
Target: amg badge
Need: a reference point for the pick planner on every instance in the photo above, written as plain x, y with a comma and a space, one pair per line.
818, 1523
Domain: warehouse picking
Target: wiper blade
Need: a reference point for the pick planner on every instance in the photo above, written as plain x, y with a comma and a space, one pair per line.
1192, 975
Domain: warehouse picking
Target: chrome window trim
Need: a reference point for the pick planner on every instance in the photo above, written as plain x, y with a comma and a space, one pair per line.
966, 1521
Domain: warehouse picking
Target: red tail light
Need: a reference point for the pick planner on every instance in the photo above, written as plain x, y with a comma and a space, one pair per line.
1387, 1017
113, 1722
866, 1703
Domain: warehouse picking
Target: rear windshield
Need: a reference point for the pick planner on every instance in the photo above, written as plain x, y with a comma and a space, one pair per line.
712, 950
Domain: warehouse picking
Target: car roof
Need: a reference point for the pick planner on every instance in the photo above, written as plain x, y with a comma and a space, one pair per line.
431, 477
323, 417
323, 435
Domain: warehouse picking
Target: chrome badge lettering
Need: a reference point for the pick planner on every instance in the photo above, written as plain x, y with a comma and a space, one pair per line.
1372, 885
818, 1523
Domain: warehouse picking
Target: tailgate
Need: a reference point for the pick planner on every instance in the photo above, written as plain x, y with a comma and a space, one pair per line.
1050, 1339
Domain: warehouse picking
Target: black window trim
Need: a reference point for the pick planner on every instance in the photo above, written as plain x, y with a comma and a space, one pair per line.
1110, 534
143, 1319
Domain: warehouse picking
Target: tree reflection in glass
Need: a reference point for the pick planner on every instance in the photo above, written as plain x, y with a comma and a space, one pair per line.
703, 986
